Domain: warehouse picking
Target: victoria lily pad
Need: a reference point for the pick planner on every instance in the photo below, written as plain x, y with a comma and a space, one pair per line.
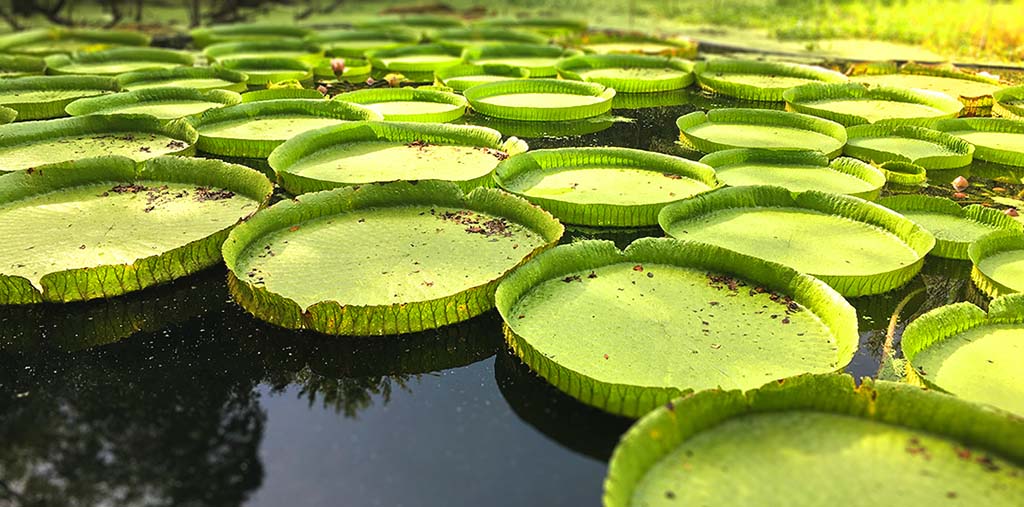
546, 25
780, 445
1009, 103
419, 21
264, 71
20, 66
796, 170
104, 226
626, 331
615, 187
903, 173
541, 99
198, 78
606, 43
476, 36
409, 104
964, 351
7, 115
360, 153
242, 32
927, 148
629, 73
416, 62
254, 129
163, 103
855, 104
356, 43
44, 97
973, 90
759, 81
857, 247
117, 61
282, 93
26, 145
461, 77
724, 129
955, 227
286, 48
54, 40
998, 262
539, 59
995, 139
377, 259
550, 129
670, 98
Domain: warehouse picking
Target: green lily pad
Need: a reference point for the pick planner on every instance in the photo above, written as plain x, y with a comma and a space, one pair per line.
638, 43
626, 331
305, 263
264, 71
461, 77
962, 350
539, 59
855, 104
725, 129
547, 25
7, 115
48, 41
629, 73
12, 66
541, 99
356, 43
796, 170
44, 97
616, 187
1009, 103
927, 148
115, 61
295, 49
779, 445
369, 152
282, 93
857, 247
105, 226
163, 103
254, 129
26, 145
198, 78
759, 81
995, 139
409, 104
998, 262
671, 98
420, 21
955, 227
973, 90
356, 69
476, 36
416, 61
904, 174
540, 129
245, 32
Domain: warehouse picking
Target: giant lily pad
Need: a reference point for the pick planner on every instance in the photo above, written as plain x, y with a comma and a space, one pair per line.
724, 129
286, 48
117, 61
418, 21
855, 104
55, 40
998, 262
283, 93
955, 227
378, 259
616, 187
964, 351
356, 43
539, 59
626, 331
759, 81
461, 77
995, 139
198, 78
12, 66
780, 445
254, 129
927, 148
973, 90
409, 104
416, 62
629, 73
477, 36
671, 98
857, 247
27, 145
163, 103
103, 227
541, 99
1009, 103
903, 174
264, 71
360, 153
796, 170
44, 97
242, 32
638, 43
7, 115
552, 26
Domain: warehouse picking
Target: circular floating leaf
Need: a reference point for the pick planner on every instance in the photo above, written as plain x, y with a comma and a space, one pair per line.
779, 445
1009, 103
539, 59
103, 227
759, 81
973, 90
241, 32
904, 173
626, 331
305, 263
541, 99
282, 93
163, 103
857, 247
953, 226
294, 49
629, 73
12, 66
616, 187
254, 129
998, 262
650, 100
638, 43
927, 148
964, 351
482, 35
724, 129
356, 43
409, 104
797, 171
855, 104
548, 26
416, 60
117, 61
461, 77
360, 153
199, 78
263, 71
47, 41
44, 97
27, 145
995, 139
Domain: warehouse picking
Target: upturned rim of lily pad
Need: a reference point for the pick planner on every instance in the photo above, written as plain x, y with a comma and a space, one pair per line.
514, 50
12, 66
961, 153
571, 67
57, 64
987, 246
903, 174
377, 58
53, 108
476, 94
1009, 103
681, 47
949, 248
109, 104
9, 43
802, 98
946, 70
302, 49
333, 40
446, 75
477, 35
407, 94
238, 80
765, 117
705, 73
264, 71
235, 32
981, 152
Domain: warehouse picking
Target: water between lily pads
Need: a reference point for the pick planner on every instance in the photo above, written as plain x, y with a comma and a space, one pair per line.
177, 396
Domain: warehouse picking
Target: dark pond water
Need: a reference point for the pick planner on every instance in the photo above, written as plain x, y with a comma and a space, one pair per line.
175, 396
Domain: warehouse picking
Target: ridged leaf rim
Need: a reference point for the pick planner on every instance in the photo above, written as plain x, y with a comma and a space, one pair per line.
108, 104
205, 36
333, 40
473, 54
988, 245
12, 66
476, 93
767, 117
377, 57
988, 154
1002, 105
946, 70
962, 152
801, 98
906, 174
377, 95
947, 248
55, 64
281, 94
569, 69
53, 108
705, 71
476, 35
263, 71
445, 75
9, 43
227, 50
238, 79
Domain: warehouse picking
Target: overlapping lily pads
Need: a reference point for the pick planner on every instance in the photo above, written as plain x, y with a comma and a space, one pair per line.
44, 97
796, 170
264, 71
117, 61
629, 73
54, 40
626, 331
857, 247
409, 104
242, 32
903, 174
607, 187
12, 66
973, 90
286, 92
539, 59
759, 81
1009, 103
855, 104
417, 63
725, 129
461, 77
286, 48
105, 226
418, 21
378, 260
925, 147
552, 26
356, 43
7, 115
996, 140
998, 262
955, 227
541, 99
163, 103
198, 78
360, 153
